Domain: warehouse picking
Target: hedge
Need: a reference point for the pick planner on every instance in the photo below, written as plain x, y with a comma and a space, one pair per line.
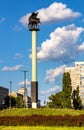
40, 120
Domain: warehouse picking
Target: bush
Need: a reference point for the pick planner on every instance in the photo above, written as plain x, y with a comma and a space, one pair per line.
36, 120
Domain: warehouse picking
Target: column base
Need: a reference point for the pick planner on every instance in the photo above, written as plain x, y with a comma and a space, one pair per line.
34, 93
34, 105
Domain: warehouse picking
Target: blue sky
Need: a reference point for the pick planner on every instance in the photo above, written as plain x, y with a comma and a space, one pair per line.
60, 42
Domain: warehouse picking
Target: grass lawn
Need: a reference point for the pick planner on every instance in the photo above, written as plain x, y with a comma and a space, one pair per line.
40, 111
39, 128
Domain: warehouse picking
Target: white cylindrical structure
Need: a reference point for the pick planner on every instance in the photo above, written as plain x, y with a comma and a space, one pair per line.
34, 83
34, 59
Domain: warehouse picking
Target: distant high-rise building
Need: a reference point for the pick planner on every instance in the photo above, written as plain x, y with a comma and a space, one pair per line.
77, 77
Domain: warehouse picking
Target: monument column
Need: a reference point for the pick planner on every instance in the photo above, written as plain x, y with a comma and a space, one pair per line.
33, 22
34, 66
34, 83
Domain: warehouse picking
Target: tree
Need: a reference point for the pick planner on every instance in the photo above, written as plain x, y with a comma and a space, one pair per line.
67, 90
7, 101
56, 100
77, 102
19, 102
63, 98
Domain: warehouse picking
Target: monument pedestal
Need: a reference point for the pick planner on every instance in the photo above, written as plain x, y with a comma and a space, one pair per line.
34, 93
34, 105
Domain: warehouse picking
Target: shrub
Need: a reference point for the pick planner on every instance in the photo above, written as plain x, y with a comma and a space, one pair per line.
39, 120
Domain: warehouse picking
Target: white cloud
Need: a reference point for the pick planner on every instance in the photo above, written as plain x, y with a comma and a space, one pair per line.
51, 90
18, 55
56, 12
62, 45
27, 83
52, 74
14, 68
81, 47
2, 20
17, 28
42, 92
24, 19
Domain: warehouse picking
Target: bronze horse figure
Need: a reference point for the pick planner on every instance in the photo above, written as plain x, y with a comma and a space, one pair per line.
33, 21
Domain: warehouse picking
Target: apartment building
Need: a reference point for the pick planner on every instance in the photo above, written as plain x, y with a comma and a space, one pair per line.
3, 94
77, 77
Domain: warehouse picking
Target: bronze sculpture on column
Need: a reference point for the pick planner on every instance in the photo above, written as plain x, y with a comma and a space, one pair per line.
33, 27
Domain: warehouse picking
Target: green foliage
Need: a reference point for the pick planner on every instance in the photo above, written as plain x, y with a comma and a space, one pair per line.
15, 102
77, 103
67, 89
62, 99
19, 102
39, 111
38, 128
56, 100
7, 101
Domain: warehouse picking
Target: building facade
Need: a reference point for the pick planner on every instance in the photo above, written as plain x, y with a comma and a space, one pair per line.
77, 77
3, 94
27, 100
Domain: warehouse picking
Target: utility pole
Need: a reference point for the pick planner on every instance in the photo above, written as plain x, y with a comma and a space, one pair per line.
25, 89
25, 71
10, 92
